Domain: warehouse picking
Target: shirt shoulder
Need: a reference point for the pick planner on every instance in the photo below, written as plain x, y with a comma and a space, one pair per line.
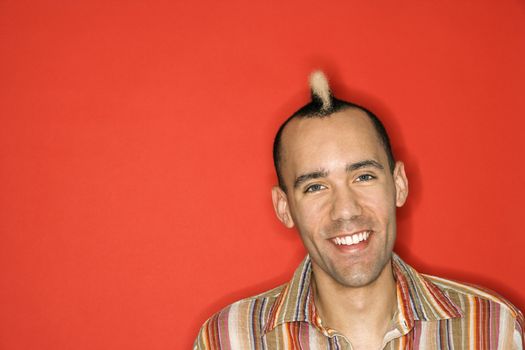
463, 293
238, 325
486, 311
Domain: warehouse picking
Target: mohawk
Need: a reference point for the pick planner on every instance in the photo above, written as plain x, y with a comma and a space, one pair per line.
320, 90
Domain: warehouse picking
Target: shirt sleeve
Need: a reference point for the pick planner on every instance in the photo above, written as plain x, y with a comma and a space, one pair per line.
209, 337
518, 337
199, 343
203, 341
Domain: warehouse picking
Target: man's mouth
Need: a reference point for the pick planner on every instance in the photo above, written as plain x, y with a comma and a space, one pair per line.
352, 239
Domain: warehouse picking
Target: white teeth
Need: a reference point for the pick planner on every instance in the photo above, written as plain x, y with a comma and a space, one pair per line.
352, 239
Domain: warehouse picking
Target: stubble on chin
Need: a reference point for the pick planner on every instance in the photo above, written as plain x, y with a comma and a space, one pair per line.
358, 274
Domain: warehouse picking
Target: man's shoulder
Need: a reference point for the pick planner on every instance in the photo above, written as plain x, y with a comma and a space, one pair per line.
238, 321
469, 296
265, 299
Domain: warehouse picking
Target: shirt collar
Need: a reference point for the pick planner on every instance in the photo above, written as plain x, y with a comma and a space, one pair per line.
417, 299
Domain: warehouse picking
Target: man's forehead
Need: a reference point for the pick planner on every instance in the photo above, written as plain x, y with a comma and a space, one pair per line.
349, 126
312, 144
351, 119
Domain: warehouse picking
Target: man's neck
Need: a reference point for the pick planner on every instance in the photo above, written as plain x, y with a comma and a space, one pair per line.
362, 314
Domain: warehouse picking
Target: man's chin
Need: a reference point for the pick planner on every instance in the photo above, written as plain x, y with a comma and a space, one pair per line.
360, 276
357, 280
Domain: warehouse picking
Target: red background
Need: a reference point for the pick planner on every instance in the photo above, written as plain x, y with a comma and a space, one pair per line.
135, 145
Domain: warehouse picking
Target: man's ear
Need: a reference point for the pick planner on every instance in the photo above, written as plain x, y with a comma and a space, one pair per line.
401, 183
280, 205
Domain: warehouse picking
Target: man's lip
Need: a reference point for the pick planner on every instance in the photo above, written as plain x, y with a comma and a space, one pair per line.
351, 238
345, 234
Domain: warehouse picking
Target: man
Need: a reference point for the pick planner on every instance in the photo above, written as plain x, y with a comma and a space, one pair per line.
339, 184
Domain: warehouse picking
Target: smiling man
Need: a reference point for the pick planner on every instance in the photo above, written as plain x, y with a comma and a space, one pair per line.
339, 185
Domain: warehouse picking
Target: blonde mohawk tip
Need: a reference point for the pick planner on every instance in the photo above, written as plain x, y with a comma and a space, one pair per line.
320, 89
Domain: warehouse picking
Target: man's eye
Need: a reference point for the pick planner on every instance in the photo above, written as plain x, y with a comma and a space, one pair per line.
314, 188
365, 177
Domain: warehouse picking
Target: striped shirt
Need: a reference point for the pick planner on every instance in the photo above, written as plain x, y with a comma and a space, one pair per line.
432, 313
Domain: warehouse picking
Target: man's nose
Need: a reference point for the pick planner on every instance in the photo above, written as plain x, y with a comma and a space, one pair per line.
345, 205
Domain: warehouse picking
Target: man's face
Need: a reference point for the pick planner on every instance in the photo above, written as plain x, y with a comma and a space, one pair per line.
341, 195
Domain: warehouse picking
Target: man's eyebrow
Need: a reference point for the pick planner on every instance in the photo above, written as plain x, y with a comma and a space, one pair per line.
308, 176
364, 164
